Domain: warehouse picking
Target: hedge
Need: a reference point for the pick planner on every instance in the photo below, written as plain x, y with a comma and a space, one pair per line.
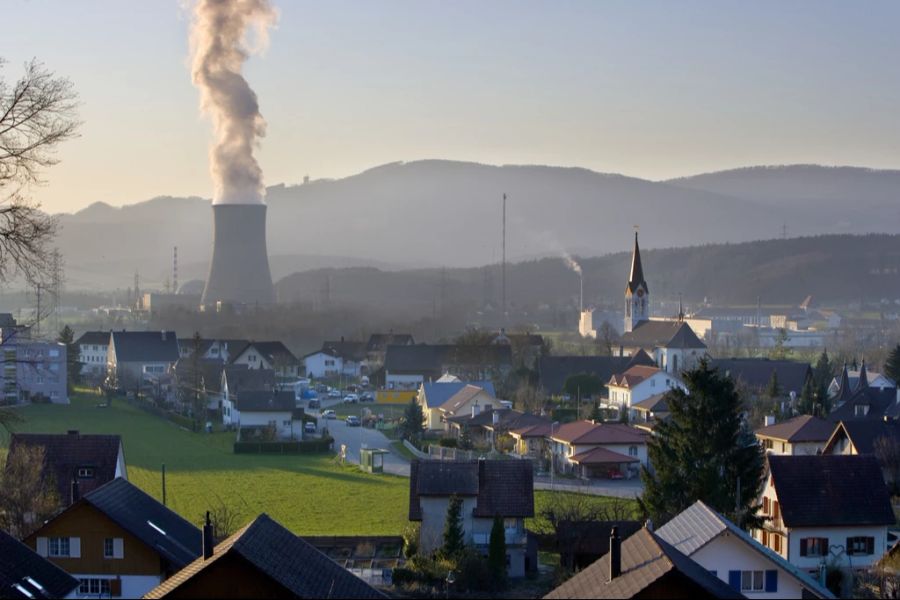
296, 447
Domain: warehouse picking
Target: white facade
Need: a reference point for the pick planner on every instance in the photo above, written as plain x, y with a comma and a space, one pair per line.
286, 427
323, 365
93, 359
658, 383
564, 451
782, 447
402, 382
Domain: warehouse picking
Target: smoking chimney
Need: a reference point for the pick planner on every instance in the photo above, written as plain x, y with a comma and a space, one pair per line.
208, 540
615, 554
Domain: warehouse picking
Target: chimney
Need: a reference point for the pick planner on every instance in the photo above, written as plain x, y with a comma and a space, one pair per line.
769, 420
615, 554
72, 432
76, 493
163, 334
474, 410
208, 541
495, 417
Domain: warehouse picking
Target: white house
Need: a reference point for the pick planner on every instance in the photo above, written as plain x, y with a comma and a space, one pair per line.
433, 395
846, 523
323, 364
93, 349
589, 449
269, 355
638, 383
259, 410
728, 552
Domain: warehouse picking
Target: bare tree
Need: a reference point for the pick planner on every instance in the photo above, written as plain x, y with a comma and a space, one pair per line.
37, 112
224, 518
27, 497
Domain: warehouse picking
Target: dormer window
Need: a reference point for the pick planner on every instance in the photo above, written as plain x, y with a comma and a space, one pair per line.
861, 410
85, 472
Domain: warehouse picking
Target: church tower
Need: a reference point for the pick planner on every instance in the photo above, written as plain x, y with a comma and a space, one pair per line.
637, 294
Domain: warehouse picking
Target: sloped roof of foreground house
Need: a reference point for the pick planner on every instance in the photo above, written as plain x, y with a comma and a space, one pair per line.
698, 525
587, 432
803, 428
601, 456
27, 575
502, 488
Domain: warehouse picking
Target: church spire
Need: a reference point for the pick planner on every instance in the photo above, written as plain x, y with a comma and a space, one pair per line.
862, 384
636, 278
637, 294
844, 392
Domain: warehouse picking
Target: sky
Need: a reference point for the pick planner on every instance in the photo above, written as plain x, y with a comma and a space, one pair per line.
648, 89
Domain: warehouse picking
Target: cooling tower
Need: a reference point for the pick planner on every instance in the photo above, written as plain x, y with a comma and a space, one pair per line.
239, 271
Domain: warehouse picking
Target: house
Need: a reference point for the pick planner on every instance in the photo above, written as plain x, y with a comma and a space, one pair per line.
203, 376
650, 411
93, 354
469, 400
223, 351
636, 384
371, 557
643, 566
756, 373
257, 411
433, 395
860, 436
377, 345
91, 460
589, 449
26, 575
862, 401
117, 541
34, 371
323, 364
553, 371
581, 543
338, 359
262, 560
240, 378
727, 551
800, 435
873, 378
409, 366
531, 441
825, 507
527, 348
269, 355
487, 425
136, 356
489, 489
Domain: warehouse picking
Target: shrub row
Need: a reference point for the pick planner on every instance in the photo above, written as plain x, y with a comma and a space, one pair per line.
296, 447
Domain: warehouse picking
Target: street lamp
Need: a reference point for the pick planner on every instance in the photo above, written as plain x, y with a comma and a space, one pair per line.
451, 579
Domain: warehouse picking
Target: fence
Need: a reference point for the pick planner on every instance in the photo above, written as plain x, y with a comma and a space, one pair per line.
415, 451
442, 453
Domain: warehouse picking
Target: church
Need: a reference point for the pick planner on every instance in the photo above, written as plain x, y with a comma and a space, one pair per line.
672, 344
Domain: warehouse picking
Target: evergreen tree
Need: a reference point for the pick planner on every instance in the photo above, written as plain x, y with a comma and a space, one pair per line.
73, 366
465, 440
596, 414
892, 364
413, 424
823, 373
773, 389
453, 531
704, 452
497, 553
807, 404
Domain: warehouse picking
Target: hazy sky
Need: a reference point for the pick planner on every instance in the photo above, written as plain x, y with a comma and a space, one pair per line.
650, 89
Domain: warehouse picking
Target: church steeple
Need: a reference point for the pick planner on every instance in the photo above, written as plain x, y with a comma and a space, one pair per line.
637, 293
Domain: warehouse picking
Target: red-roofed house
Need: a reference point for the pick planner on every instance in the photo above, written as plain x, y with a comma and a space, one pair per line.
590, 449
638, 383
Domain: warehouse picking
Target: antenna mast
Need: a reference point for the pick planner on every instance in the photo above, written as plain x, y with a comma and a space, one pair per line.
503, 266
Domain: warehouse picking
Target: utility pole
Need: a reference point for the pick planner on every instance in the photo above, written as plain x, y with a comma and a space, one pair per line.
503, 264
175, 270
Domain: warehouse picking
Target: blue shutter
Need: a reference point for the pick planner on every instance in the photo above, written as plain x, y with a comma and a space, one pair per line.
734, 579
772, 581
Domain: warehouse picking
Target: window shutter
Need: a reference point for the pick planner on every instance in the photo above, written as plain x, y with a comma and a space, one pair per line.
772, 581
115, 587
870, 545
824, 546
42, 546
734, 579
803, 546
118, 548
849, 546
75, 547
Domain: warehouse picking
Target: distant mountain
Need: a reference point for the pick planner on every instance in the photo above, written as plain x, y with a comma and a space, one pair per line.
445, 213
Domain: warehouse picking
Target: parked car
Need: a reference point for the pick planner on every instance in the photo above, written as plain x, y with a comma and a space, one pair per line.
334, 393
329, 414
322, 388
351, 399
367, 397
353, 421
315, 403
309, 427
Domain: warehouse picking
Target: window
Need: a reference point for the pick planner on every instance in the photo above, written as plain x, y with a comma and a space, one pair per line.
765, 539
94, 586
766, 505
752, 581
85, 472
108, 548
776, 543
861, 410
860, 545
767, 444
632, 451
58, 546
813, 546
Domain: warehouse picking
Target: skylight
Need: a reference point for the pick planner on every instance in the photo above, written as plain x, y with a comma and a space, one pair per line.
34, 583
151, 524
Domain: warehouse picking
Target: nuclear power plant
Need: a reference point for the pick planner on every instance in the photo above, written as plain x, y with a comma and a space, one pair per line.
239, 270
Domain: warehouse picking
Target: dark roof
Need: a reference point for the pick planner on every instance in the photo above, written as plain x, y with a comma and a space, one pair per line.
601, 456
831, 491
209, 376
297, 566
589, 433
145, 346
591, 537
507, 419
94, 337
143, 517
19, 564
275, 352
353, 351
65, 453
554, 370
863, 433
502, 487
636, 275
646, 559
880, 403
757, 372
662, 334
265, 401
433, 359
804, 428
378, 342
438, 392
241, 378
655, 403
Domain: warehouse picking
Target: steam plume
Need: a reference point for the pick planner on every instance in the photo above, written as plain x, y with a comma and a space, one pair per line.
571, 263
219, 47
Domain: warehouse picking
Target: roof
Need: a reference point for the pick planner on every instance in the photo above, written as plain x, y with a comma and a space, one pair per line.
554, 370
354, 351
507, 419
21, 568
646, 559
297, 566
274, 352
698, 524
241, 377
655, 403
879, 403
757, 372
460, 398
863, 433
145, 346
633, 376
65, 453
803, 428
540, 430
209, 372
433, 359
437, 393
502, 488
636, 275
265, 401
601, 456
378, 342
830, 490
662, 334
100, 338
587, 433
148, 520
591, 537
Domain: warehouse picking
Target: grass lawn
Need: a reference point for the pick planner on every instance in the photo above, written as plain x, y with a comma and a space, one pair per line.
310, 495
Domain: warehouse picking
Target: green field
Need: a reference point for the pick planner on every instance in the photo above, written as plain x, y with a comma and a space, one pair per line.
311, 495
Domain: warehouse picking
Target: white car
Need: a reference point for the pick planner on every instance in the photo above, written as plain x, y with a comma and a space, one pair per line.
309, 427
329, 414
334, 393
351, 399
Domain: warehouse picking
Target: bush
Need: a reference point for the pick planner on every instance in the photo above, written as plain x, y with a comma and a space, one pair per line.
448, 442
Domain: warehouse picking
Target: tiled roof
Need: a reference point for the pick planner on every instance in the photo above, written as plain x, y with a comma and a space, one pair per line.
646, 559
241, 378
633, 376
427, 359
378, 342
879, 403
437, 393
22, 570
586, 433
697, 525
65, 453
531, 431
209, 373
142, 516
803, 428
265, 401
275, 352
757, 372
830, 491
355, 351
554, 370
502, 487
457, 400
279, 555
100, 338
662, 334
655, 403
863, 433
145, 346
601, 456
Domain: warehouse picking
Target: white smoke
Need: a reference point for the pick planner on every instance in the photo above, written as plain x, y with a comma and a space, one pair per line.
220, 45
571, 263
